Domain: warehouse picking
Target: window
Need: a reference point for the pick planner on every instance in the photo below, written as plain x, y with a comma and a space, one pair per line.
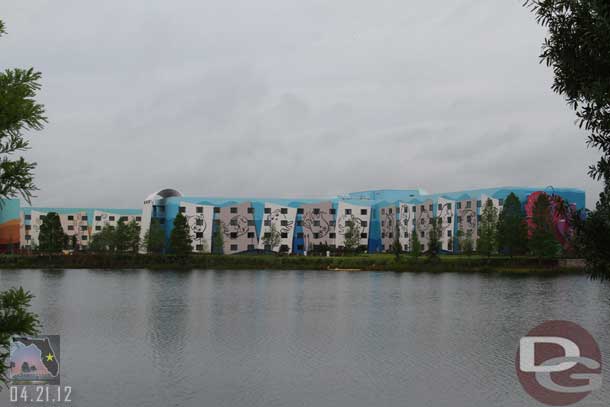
459, 205
216, 209
111, 218
440, 207
448, 233
468, 205
233, 209
300, 247
459, 219
83, 237
348, 211
70, 217
250, 222
501, 202
332, 235
98, 228
199, 247
98, 218
332, 211
233, 235
267, 210
83, 228
162, 221
217, 222
268, 247
422, 234
333, 223
363, 211
267, 223
364, 223
299, 222
478, 204
234, 247
316, 235
28, 237
391, 235
299, 211
70, 227
28, 217
138, 219
84, 217
199, 235
284, 211
300, 235
382, 223
233, 222
250, 235
383, 211
284, 223
449, 219
267, 235
316, 223
468, 219
199, 222
123, 218
284, 248
363, 235
449, 206
414, 208
316, 211
421, 208
479, 218
406, 235
199, 209
284, 235
250, 210
182, 209
251, 247
28, 227
390, 211
430, 207
429, 221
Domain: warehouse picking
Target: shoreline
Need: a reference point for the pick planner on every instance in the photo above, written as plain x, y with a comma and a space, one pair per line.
363, 262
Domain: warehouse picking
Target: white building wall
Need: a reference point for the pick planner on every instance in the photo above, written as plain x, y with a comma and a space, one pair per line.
356, 213
284, 219
200, 219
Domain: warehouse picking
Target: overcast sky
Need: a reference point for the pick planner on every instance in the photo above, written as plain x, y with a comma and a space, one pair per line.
289, 98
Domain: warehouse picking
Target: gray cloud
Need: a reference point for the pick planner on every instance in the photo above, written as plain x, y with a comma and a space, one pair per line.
288, 98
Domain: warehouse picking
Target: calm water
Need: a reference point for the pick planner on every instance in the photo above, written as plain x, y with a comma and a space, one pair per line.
258, 338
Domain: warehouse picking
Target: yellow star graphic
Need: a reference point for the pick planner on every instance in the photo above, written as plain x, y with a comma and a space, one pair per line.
50, 357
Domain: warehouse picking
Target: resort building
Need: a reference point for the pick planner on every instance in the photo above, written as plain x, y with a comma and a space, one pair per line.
379, 217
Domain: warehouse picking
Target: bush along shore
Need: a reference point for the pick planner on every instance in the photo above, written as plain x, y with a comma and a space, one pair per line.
365, 262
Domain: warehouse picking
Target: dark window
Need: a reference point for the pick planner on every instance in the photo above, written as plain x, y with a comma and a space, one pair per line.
70, 227
316, 235
430, 207
459, 219
28, 227
217, 222
199, 247
250, 222
123, 218
233, 235
28, 217
267, 235
316, 223
390, 235
284, 248
250, 247
98, 218
501, 202
83, 228
84, 217
233, 222
363, 211
468, 205
332, 235
199, 209
284, 235
348, 211
138, 218
233, 209
83, 237
267, 210
459, 205
364, 223
162, 221
199, 222
363, 235
449, 206
414, 208
422, 234
299, 222
250, 235
70, 217
449, 219
383, 235
267, 223
111, 218
268, 247
332, 211
383, 211
299, 211
284, 211
284, 223
316, 211
199, 235
468, 219
182, 209
448, 233
250, 210
28, 237
98, 228
421, 208
478, 204
440, 207
216, 209
390, 211
234, 247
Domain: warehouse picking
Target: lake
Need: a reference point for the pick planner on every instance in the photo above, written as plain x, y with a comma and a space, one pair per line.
302, 338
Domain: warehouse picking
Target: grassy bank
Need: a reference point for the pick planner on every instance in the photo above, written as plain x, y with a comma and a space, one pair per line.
376, 262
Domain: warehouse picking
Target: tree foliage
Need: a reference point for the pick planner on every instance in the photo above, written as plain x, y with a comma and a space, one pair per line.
15, 320
104, 240
466, 242
488, 235
154, 238
52, 238
542, 241
19, 113
352, 236
180, 241
272, 238
414, 245
512, 227
434, 237
218, 241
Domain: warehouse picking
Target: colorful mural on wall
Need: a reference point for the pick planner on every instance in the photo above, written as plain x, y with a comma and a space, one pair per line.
561, 212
